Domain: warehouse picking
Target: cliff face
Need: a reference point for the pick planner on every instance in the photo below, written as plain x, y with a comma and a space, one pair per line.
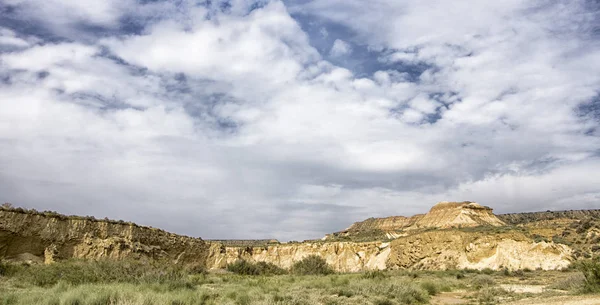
342, 256
434, 250
53, 237
437, 250
441, 216
48, 237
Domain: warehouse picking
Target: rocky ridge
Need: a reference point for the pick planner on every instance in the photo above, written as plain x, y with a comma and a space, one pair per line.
443, 215
430, 250
47, 236
451, 235
523, 218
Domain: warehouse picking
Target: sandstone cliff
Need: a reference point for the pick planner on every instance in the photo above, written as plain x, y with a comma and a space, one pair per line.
342, 256
49, 236
446, 237
450, 249
441, 216
432, 250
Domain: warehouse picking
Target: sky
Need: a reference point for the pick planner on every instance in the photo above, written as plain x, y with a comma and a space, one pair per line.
291, 119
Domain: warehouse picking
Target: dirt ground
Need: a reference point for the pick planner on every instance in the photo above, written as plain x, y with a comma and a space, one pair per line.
561, 300
458, 297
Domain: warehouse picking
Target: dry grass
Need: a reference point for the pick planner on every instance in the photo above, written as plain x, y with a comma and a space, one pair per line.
64, 284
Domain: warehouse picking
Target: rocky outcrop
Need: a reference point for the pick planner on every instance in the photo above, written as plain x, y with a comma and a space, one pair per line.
438, 250
342, 256
50, 236
433, 250
441, 216
522, 218
47, 237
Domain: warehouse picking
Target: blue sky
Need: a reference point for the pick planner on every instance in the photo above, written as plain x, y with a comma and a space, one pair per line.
292, 119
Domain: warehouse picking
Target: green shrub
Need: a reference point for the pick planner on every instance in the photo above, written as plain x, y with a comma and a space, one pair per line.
311, 265
431, 288
572, 282
482, 281
270, 269
490, 295
243, 267
375, 275
591, 273
383, 302
411, 294
344, 293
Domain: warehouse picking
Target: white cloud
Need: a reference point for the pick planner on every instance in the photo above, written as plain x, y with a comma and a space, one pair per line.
63, 16
235, 126
340, 48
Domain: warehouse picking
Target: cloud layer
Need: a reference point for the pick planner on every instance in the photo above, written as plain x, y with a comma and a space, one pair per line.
259, 119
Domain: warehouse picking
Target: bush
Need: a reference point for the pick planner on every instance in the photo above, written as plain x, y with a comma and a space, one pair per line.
431, 288
243, 267
311, 265
410, 294
490, 295
270, 269
572, 282
383, 302
374, 275
482, 281
591, 272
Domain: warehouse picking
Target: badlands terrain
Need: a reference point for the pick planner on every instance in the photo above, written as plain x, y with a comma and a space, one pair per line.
456, 253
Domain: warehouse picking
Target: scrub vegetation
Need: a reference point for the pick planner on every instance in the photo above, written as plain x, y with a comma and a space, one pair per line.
310, 281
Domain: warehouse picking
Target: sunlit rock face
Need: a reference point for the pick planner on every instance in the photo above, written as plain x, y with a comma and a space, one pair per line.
441, 216
457, 214
413, 245
431, 250
51, 237
440, 239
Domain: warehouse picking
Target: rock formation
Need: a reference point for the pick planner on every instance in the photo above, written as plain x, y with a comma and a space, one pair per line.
443, 238
521, 218
50, 236
431, 250
441, 216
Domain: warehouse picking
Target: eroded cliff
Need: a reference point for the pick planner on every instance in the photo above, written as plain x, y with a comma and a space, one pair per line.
450, 235
441, 216
432, 250
50, 236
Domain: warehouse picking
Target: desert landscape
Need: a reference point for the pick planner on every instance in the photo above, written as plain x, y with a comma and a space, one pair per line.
457, 253
299, 152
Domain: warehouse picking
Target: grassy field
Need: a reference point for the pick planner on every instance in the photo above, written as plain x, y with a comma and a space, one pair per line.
136, 283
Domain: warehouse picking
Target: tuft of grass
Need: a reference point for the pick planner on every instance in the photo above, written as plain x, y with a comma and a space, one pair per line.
412, 294
383, 302
375, 275
482, 281
431, 287
571, 283
490, 295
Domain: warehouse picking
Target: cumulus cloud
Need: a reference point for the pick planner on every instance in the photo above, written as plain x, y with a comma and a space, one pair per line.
340, 48
221, 120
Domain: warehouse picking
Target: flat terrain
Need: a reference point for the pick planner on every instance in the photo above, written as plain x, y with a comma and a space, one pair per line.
125, 283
